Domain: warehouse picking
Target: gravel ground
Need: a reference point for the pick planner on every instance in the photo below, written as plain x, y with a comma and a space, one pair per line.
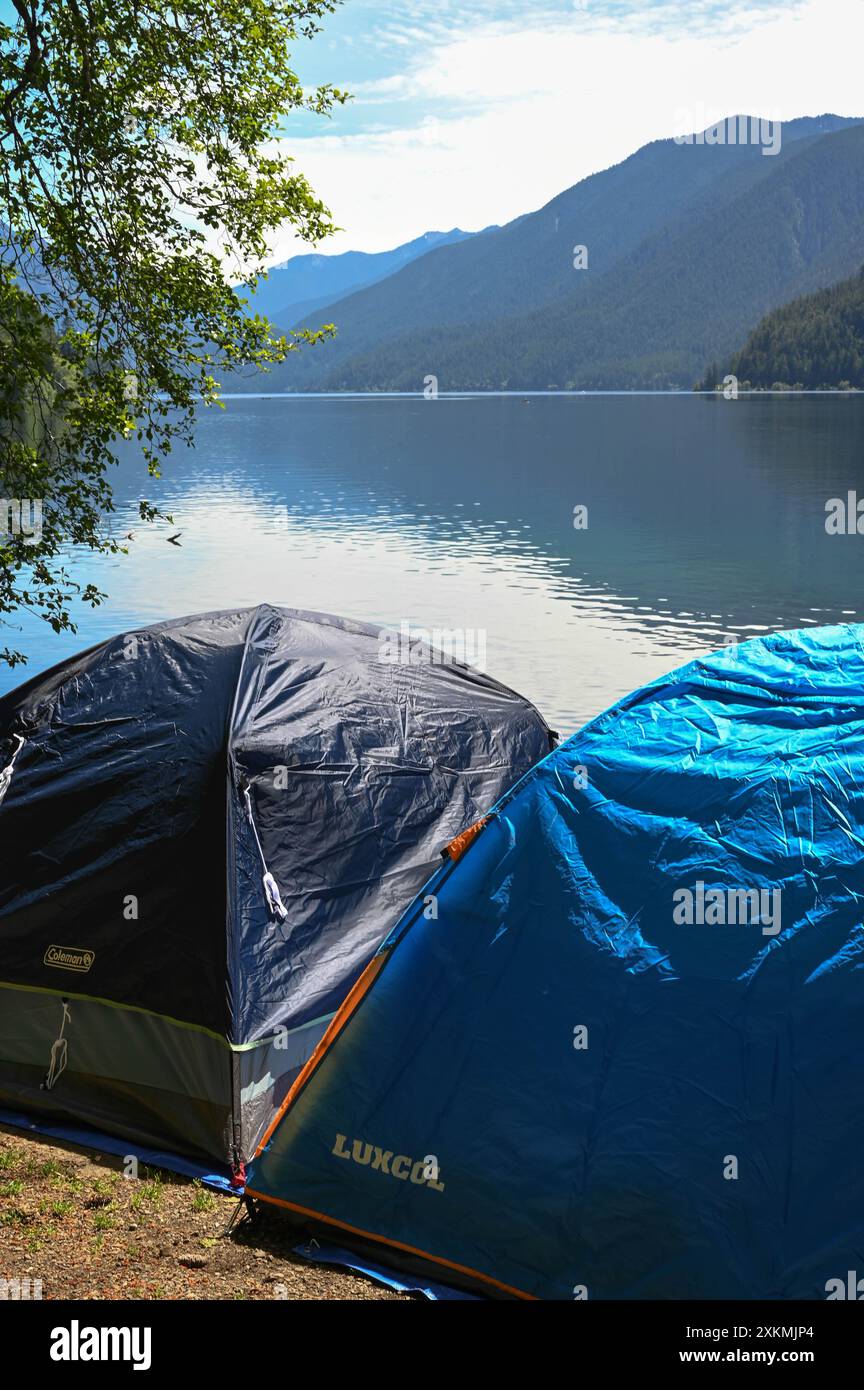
69, 1217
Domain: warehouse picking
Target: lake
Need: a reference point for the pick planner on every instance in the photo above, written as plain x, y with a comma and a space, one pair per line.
705, 523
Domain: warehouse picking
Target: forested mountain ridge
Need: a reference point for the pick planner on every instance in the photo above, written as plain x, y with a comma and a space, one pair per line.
816, 342
688, 246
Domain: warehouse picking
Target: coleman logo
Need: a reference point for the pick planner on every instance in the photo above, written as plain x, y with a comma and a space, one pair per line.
69, 958
423, 1172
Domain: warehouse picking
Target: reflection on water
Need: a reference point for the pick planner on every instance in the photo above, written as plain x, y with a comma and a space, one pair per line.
706, 520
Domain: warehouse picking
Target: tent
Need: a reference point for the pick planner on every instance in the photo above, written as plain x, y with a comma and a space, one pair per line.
208, 827
614, 1049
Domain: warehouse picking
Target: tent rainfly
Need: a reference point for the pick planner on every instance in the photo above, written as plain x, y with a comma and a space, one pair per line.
208, 827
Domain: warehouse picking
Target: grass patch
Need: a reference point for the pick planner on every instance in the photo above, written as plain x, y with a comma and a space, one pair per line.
104, 1187
15, 1216
38, 1239
202, 1200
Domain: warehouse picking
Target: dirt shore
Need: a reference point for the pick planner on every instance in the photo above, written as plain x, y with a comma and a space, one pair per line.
72, 1219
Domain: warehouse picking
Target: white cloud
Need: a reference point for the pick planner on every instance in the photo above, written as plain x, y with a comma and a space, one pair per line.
498, 120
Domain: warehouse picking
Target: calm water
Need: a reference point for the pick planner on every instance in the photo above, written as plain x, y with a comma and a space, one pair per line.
706, 521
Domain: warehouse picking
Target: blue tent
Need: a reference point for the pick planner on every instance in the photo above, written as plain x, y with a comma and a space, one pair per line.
614, 1048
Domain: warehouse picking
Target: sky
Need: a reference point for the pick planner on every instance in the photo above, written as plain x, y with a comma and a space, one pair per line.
469, 112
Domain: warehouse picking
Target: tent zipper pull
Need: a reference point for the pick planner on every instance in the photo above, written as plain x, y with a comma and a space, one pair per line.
271, 887
274, 900
59, 1053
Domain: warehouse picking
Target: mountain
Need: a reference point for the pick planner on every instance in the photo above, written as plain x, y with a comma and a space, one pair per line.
307, 283
816, 342
689, 245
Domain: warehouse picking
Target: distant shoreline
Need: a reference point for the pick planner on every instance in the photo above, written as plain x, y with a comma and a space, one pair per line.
516, 395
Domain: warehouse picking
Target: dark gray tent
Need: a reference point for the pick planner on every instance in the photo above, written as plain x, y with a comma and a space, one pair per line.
208, 827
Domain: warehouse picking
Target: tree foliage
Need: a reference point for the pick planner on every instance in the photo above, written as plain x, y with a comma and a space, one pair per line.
139, 177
